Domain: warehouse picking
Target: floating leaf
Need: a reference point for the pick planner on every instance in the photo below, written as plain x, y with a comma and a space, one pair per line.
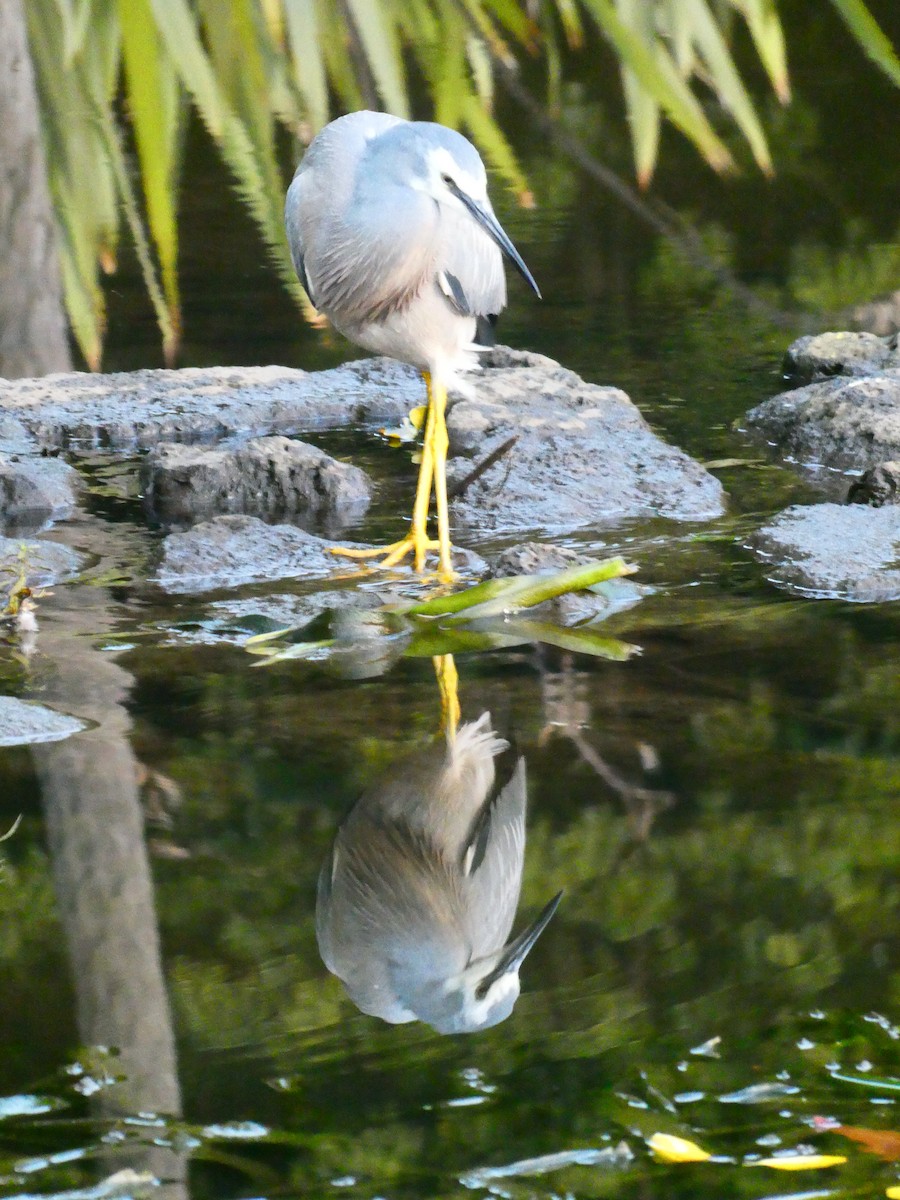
883, 1142
799, 1162
892, 1193
669, 1148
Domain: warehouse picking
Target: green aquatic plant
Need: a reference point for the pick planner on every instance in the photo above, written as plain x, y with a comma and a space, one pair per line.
486, 616
117, 78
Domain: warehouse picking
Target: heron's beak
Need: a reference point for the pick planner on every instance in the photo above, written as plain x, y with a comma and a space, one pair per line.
494, 229
513, 955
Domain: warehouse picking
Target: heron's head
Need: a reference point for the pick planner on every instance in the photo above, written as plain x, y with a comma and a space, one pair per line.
443, 165
485, 993
431, 159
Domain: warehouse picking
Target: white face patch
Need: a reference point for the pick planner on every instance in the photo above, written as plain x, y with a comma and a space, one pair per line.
442, 166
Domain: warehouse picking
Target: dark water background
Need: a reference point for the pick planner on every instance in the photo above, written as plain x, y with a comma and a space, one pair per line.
724, 824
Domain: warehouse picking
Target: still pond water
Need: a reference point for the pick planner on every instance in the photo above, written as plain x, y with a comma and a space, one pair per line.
720, 811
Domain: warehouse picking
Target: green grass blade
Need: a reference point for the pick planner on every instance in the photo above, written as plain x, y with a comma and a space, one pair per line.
581, 639
764, 24
378, 36
496, 596
258, 185
306, 59
654, 70
150, 82
115, 154
641, 106
726, 80
871, 38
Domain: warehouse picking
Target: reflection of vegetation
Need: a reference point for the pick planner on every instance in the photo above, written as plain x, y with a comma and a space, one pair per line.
255, 66
766, 890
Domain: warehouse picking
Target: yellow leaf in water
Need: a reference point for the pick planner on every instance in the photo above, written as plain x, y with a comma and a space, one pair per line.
892, 1193
676, 1149
800, 1162
417, 415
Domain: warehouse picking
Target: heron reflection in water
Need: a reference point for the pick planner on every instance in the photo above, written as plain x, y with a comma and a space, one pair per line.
419, 894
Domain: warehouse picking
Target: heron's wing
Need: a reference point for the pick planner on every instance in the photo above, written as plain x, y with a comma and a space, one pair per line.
387, 916
323, 186
469, 266
375, 256
495, 859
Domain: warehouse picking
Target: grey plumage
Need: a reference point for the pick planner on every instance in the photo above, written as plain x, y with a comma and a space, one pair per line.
377, 228
419, 895
395, 241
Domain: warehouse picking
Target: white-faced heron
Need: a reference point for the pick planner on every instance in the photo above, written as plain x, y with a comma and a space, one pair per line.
419, 894
395, 240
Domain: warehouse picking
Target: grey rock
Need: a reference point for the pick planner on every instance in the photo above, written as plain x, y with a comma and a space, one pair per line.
539, 558
880, 485
45, 563
583, 456
35, 487
139, 409
231, 551
846, 552
35, 491
838, 422
24, 724
232, 621
271, 477
822, 355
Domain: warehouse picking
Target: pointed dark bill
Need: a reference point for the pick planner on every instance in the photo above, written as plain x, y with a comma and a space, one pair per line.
494, 229
516, 952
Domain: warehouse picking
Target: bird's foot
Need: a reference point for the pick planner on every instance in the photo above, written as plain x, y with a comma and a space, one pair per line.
418, 545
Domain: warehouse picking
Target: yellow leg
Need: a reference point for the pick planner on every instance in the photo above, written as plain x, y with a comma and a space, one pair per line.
416, 541
448, 683
440, 442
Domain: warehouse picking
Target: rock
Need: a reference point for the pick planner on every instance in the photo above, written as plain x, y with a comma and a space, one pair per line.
34, 491
139, 409
45, 563
879, 486
583, 456
822, 355
539, 558
231, 622
846, 552
35, 488
271, 477
26, 724
231, 551
842, 423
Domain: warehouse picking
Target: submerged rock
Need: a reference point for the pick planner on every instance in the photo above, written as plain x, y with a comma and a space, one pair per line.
26, 724
845, 552
582, 456
42, 563
231, 551
271, 477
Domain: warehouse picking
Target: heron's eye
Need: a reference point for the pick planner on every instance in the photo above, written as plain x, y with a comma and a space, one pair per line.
448, 179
